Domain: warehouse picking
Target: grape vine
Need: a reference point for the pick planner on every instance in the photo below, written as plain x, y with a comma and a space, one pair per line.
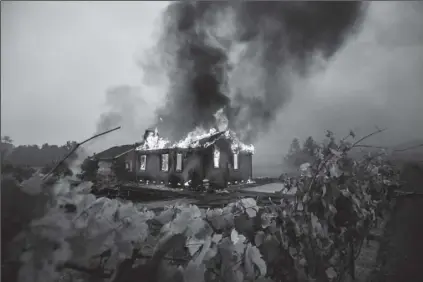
314, 237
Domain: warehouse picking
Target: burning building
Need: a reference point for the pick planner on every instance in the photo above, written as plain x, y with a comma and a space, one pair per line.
217, 156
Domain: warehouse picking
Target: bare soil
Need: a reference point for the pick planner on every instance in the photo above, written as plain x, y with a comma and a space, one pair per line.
400, 256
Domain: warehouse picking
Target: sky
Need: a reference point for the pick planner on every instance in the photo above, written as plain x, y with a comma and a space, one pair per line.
60, 58
61, 62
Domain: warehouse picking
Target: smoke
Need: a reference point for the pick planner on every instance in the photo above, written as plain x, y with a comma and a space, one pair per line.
125, 107
243, 57
374, 80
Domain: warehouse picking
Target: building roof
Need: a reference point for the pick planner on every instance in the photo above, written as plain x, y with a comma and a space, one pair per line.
195, 144
114, 152
236, 144
207, 141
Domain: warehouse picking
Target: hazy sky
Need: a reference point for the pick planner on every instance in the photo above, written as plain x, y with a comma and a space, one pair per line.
58, 59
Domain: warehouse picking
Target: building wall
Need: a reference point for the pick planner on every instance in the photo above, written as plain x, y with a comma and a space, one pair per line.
226, 171
244, 171
105, 167
194, 162
218, 177
153, 170
131, 158
191, 163
192, 167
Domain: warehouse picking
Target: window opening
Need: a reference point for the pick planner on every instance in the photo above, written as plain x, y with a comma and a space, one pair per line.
165, 162
235, 161
143, 162
179, 162
128, 166
216, 157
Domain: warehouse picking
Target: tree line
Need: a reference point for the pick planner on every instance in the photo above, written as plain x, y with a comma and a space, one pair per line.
33, 155
299, 154
23, 160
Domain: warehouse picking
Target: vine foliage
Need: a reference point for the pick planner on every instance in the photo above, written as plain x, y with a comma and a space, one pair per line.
313, 236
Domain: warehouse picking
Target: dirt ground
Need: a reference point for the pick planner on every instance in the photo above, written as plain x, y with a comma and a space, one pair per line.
400, 256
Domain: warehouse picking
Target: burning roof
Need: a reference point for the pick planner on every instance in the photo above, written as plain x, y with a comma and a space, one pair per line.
198, 138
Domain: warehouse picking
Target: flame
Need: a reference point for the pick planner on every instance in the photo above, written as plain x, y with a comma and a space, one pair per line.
154, 141
221, 120
193, 138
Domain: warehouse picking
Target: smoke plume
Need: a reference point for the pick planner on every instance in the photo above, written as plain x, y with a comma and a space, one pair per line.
242, 56
125, 108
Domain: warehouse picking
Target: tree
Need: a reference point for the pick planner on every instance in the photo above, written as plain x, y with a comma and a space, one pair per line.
310, 146
295, 147
294, 150
6, 139
6, 147
297, 155
38, 156
61, 170
19, 173
70, 145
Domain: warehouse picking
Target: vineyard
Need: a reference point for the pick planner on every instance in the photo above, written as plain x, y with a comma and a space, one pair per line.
65, 233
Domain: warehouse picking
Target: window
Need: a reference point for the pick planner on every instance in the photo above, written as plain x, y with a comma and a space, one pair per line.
128, 166
235, 161
165, 162
216, 157
179, 162
143, 162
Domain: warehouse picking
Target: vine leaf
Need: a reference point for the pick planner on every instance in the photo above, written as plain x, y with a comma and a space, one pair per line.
259, 238
253, 258
194, 272
331, 273
236, 237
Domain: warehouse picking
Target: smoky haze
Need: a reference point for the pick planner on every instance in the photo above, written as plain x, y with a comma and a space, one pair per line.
124, 107
374, 80
242, 57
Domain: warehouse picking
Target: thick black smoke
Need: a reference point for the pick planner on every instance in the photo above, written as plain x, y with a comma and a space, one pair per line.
241, 56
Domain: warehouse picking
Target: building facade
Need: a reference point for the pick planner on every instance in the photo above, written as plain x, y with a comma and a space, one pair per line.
213, 158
